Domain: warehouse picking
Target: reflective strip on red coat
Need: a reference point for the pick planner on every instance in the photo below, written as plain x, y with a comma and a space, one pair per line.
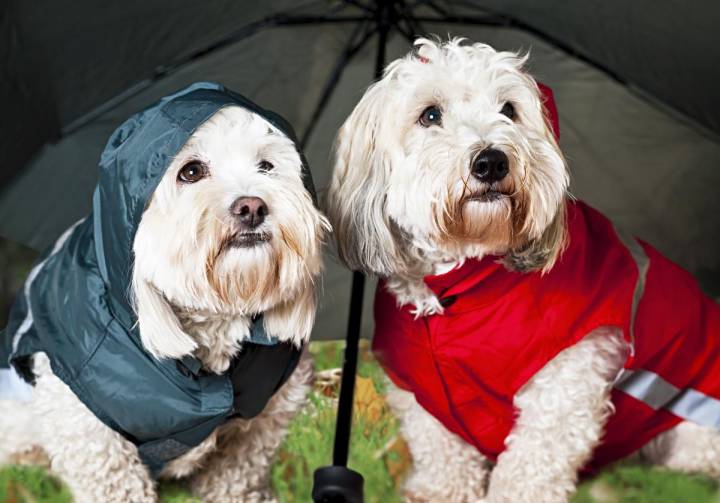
500, 328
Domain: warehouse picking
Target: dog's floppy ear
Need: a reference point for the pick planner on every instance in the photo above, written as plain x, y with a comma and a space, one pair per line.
540, 254
160, 330
539, 248
292, 320
356, 197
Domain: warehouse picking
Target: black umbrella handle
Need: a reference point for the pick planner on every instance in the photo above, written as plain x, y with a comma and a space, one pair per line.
337, 484
347, 384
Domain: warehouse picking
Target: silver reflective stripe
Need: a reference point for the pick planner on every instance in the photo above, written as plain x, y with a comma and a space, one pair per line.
646, 386
697, 407
643, 263
649, 387
657, 393
28, 321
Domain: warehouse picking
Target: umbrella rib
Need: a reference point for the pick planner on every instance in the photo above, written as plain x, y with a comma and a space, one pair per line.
351, 48
499, 20
413, 26
360, 5
487, 20
410, 33
437, 8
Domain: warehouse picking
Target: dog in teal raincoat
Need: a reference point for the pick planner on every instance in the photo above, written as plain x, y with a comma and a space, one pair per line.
162, 335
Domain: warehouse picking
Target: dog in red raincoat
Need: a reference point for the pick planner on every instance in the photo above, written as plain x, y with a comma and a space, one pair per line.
528, 339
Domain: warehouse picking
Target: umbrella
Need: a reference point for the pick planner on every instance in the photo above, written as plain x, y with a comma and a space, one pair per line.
635, 84
637, 97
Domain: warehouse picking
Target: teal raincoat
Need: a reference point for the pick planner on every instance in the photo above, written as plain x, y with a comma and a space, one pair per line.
75, 304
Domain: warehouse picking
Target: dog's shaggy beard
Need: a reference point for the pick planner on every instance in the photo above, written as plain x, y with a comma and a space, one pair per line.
260, 268
221, 270
467, 217
245, 278
211, 271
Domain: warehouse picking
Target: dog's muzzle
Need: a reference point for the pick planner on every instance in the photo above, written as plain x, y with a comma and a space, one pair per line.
248, 239
249, 213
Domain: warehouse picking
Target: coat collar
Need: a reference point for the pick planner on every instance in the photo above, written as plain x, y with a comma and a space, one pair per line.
465, 276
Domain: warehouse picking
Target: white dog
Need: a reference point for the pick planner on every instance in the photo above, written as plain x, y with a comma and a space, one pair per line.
230, 232
520, 326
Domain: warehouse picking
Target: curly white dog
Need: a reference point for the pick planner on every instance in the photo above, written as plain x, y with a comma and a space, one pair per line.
230, 232
520, 328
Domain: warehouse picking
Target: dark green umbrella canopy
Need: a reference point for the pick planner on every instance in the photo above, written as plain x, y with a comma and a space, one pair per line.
635, 83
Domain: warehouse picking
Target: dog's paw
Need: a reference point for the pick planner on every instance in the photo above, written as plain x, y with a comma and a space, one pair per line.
241, 497
414, 497
260, 497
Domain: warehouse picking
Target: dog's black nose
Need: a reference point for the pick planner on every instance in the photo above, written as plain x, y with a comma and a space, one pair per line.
490, 166
250, 211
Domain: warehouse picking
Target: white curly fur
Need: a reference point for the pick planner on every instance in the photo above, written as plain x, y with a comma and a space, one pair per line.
194, 295
404, 205
445, 467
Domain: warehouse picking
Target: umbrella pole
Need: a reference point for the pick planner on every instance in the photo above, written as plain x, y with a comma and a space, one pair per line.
338, 483
347, 387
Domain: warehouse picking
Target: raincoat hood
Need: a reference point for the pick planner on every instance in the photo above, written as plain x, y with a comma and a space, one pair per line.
132, 164
76, 305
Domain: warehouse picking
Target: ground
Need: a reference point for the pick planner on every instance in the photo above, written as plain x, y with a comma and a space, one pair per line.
376, 451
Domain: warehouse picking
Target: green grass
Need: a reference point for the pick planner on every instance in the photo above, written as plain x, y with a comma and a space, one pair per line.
309, 442
30, 484
377, 453
640, 484
309, 446
174, 492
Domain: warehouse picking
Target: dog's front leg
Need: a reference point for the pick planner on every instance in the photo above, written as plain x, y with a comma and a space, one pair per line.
562, 413
445, 467
97, 463
239, 471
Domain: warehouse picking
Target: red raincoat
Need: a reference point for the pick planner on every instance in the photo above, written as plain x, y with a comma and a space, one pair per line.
500, 328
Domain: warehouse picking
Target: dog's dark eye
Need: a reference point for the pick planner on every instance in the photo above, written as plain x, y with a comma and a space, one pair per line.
265, 166
431, 116
192, 172
508, 110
